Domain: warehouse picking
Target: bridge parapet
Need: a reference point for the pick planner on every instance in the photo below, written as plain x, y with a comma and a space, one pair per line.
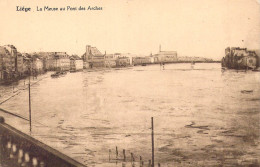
20, 149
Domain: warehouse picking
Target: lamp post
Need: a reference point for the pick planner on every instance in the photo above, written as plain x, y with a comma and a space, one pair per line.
30, 115
152, 135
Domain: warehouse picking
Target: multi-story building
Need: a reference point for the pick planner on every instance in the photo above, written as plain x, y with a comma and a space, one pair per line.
97, 61
37, 65
142, 60
90, 53
19, 64
240, 58
51, 61
122, 61
57, 61
165, 56
110, 60
76, 63
63, 61
5, 63
27, 63
13, 52
8, 62
93, 57
44, 56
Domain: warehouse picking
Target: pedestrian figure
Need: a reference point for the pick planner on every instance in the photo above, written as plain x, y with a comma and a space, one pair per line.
163, 66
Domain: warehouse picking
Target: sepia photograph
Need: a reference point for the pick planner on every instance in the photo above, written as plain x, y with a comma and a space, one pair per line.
130, 83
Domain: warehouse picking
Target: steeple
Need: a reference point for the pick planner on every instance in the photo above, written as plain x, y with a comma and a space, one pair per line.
160, 48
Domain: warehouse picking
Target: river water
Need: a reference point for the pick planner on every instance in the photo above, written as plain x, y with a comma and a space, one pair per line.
202, 116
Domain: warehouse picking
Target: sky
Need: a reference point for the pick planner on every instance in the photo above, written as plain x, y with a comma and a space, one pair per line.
201, 28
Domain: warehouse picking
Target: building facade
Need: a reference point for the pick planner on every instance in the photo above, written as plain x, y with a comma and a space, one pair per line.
27, 65
76, 63
37, 66
19, 68
97, 61
93, 57
58, 61
165, 57
90, 52
123, 61
142, 60
9, 62
5, 63
240, 58
110, 60
13, 59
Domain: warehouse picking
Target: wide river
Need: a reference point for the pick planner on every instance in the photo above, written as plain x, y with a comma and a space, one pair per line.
203, 116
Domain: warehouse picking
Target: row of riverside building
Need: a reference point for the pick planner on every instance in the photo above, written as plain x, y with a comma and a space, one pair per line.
94, 58
16, 65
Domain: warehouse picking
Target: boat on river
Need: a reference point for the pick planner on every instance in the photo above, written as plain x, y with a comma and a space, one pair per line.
62, 73
58, 74
55, 75
73, 70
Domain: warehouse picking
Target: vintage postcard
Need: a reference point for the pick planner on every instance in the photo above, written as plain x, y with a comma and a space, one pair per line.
147, 83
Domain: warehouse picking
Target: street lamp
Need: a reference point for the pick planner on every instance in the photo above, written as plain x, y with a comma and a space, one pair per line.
30, 115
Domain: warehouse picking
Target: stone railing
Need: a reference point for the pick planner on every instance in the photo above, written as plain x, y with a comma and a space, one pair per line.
19, 149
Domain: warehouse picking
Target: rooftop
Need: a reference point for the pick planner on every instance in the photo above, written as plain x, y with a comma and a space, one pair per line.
4, 51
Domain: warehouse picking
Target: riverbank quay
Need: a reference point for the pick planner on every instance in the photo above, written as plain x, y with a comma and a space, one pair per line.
7, 92
19, 78
20, 149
